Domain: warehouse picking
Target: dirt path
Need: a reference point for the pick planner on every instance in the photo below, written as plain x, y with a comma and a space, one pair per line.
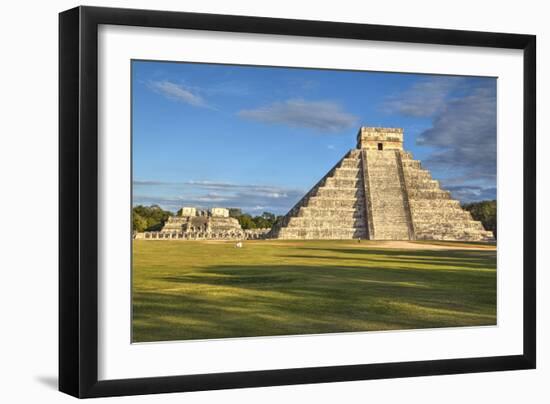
427, 245
391, 244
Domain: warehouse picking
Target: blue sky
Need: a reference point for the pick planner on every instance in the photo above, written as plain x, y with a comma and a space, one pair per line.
258, 138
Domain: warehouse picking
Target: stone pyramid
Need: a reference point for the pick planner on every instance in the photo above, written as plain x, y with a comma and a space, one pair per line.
379, 192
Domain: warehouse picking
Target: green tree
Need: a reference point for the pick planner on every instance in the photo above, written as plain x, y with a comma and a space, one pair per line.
485, 212
235, 212
261, 222
270, 217
265, 220
139, 224
246, 222
152, 217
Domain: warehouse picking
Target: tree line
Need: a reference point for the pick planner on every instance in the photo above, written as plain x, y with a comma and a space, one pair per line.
152, 218
263, 221
149, 218
485, 212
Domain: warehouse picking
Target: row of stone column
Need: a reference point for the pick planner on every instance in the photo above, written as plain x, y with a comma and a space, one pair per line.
200, 235
203, 235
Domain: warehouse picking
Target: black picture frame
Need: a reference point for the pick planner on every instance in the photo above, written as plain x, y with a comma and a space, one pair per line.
78, 196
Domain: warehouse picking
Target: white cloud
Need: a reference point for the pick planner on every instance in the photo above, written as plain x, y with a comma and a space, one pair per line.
178, 92
207, 194
325, 116
424, 99
471, 193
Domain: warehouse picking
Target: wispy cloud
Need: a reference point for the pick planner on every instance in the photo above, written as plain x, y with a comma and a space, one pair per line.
206, 194
324, 116
211, 185
178, 92
471, 193
424, 99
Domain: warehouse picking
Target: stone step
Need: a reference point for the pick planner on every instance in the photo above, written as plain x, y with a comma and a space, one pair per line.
382, 177
388, 209
389, 214
411, 164
311, 211
389, 217
341, 172
419, 177
450, 226
317, 234
340, 193
344, 182
428, 194
454, 236
350, 163
444, 213
329, 203
433, 204
340, 222
385, 188
427, 184
390, 226
397, 234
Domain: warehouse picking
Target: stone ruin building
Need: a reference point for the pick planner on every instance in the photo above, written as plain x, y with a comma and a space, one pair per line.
377, 191
197, 224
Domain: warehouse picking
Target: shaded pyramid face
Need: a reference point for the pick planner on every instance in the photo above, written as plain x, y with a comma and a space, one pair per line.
379, 192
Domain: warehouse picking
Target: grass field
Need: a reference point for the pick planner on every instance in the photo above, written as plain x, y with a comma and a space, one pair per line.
200, 290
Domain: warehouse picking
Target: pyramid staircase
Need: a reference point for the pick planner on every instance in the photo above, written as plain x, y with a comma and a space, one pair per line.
390, 215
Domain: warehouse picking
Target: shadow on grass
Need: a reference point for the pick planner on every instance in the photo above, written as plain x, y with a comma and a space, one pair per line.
385, 290
459, 258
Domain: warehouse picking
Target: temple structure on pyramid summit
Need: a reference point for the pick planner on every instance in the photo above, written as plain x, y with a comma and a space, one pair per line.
377, 191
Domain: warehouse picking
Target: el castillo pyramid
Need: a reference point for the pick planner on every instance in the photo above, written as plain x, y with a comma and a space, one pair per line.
379, 192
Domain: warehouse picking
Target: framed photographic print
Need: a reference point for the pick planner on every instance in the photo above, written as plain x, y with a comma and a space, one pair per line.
252, 201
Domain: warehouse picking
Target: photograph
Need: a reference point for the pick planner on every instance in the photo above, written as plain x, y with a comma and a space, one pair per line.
284, 201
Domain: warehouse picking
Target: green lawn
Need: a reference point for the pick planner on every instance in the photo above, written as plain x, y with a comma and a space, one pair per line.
198, 290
